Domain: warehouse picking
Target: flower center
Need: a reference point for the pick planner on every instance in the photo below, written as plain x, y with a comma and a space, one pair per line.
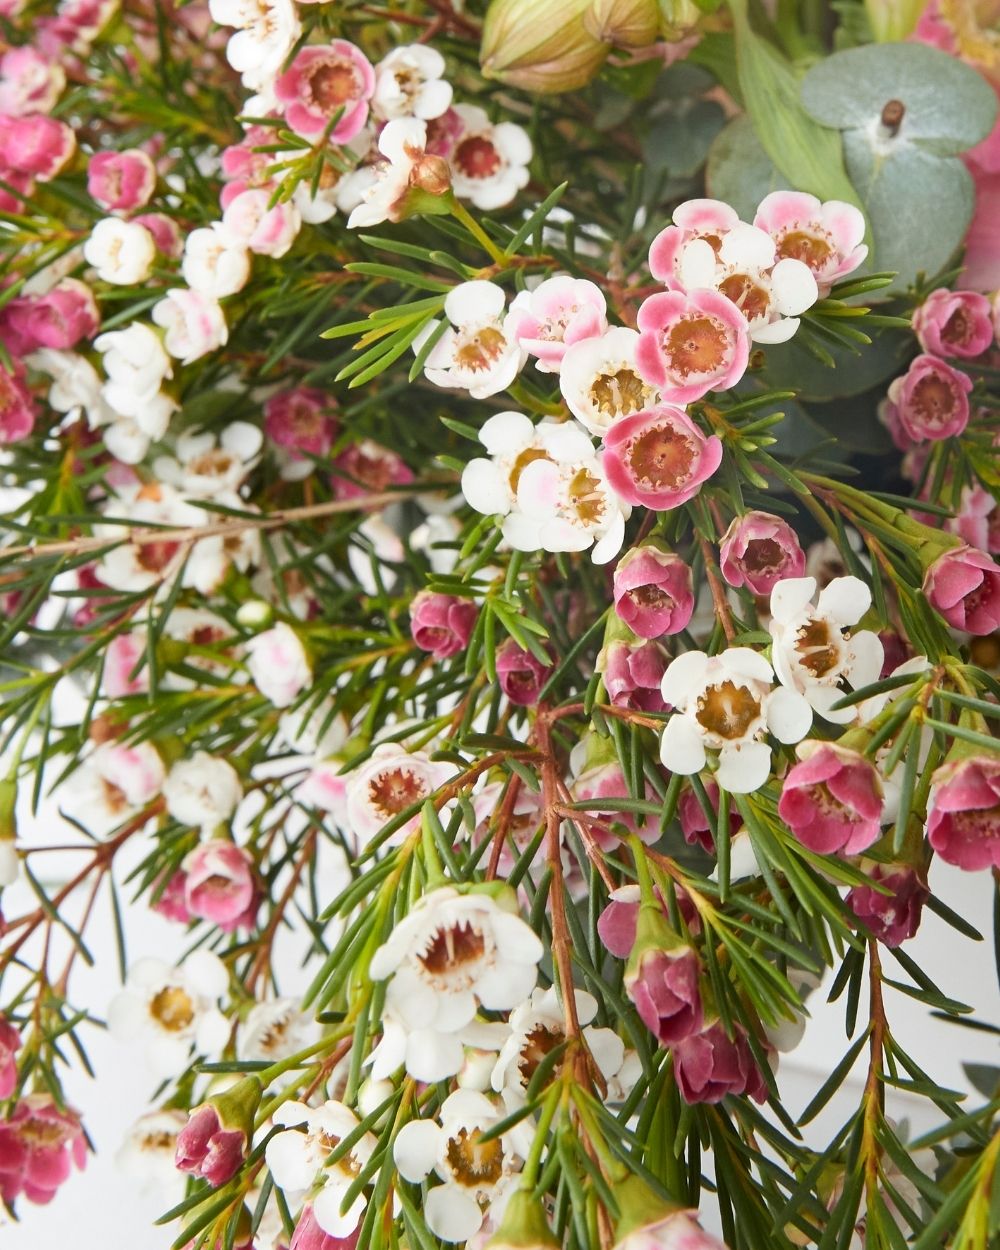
662, 457
39, 1134
541, 1041
649, 596
763, 555
472, 1162
481, 350
477, 157
748, 296
817, 649
172, 1009
934, 399
114, 797
394, 789
977, 823
454, 952
333, 83
586, 497
810, 249
830, 806
156, 557
696, 345
215, 463
727, 710
619, 393
957, 329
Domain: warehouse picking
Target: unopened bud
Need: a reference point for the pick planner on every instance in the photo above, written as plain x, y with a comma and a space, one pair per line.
255, 614
678, 19
623, 23
543, 47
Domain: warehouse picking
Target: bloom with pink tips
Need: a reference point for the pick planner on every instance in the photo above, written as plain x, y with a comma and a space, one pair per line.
29, 83
220, 886
39, 1146
251, 220
828, 237
832, 799
758, 550
10, 1044
659, 458
442, 624
963, 586
165, 232
121, 181
558, 313
704, 219
278, 664
124, 671
963, 817
323, 81
930, 400
194, 323
690, 344
653, 592
954, 323
35, 145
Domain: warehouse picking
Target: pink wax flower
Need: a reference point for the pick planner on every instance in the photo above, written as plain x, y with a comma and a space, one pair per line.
35, 145
963, 586
607, 781
301, 421
165, 231
829, 237
10, 1044
244, 168
931, 399
694, 822
21, 185
121, 181
659, 458
521, 675
368, 467
963, 818
208, 1150
220, 885
892, 918
632, 675
708, 1066
266, 229
759, 550
443, 133
17, 408
124, 673
171, 904
653, 592
324, 81
309, 1236
832, 799
977, 519
558, 313
677, 1230
663, 984
39, 1145
28, 82
442, 624
704, 219
691, 344
954, 323
618, 923
59, 319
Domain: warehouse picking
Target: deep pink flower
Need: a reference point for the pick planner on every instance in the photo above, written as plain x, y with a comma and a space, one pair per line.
21, 185
29, 83
618, 923
632, 675
963, 586
10, 1044
659, 458
320, 82
963, 820
694, 822
895, 917
653, 592
309, 1236
931, 400
832, 799
368, 467
691, 344
709, 1065
39, 1144
17, 408
521, 675
208, 1150
301, 420
59, 319
954, 323
165, 231
607, 781
663, 984
220, 885
171, 904
442, 624
121, 181
758, 550
37, 145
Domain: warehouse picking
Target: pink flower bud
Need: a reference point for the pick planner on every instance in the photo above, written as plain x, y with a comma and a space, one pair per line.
832, 800
653, 592
963, 819
165, 231
60, 319
607, 781
121, 181
632, 675
309, 1236
708, 1066
618, 923
171, 903
10, 1043
963, 586
17, 408
659, 458
520, 674
39, 1145
207, 1150
694, 822
220, 886
442, 624
930, 400
954, 323
301, 420
690, 344
368, 466
124, 673
759, 550
36, 145
663, 984
677, 1230
895, 917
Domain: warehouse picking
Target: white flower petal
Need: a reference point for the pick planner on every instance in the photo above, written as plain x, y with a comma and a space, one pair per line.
745, 662
793, 287
326, 1208
779, 331
127, 1016
697, 265
506, 433
683, 677
206, 974
744, 768
682, 749
867, 657
485, 487
790, 596
451, 1214
845, 600
433, 1056
747, 247
415, 1149
474, 303
789, 716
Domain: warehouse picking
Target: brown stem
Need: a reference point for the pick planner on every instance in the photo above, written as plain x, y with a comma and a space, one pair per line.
722, 609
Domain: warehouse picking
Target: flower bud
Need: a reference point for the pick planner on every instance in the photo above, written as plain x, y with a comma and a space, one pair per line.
442, 624
894, 917
662, 980
649, 1222
524, 1226
10, 1044
214, 1141
963, 818
520, 674
832, 799
623, 23
963, 586
540, 47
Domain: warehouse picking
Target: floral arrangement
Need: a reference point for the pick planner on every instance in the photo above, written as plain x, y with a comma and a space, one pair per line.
509, 494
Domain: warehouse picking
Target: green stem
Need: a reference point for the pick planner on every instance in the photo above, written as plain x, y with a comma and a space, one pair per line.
462, 214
